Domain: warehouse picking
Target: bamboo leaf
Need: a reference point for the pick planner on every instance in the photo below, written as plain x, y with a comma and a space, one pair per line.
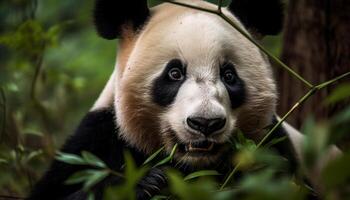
95, 178
169, 158
159, 197
201, 173
3, 161
78, 177
276, 141
340, 93
154, 155
93, 160
33, 155
91, 196
70, 159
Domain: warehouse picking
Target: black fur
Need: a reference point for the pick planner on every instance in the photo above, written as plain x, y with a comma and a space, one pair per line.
236, 90
263, 16
164, 89
97, 134
111, 15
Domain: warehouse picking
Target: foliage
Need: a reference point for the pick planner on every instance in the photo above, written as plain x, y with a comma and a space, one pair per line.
262, 173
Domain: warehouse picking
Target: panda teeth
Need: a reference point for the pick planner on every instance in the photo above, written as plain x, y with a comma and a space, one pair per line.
191, 147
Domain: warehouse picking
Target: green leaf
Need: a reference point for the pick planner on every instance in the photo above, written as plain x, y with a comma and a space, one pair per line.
263, 185
132, 177
91, 196
201, 173
33, 155
240, 141
93, 160
3, 161
95, 177
337, 172
340, 93
342, 117
70, 159
159, 197
169, 158
275, 141
79, 177
203, 189
132, 174
154, 155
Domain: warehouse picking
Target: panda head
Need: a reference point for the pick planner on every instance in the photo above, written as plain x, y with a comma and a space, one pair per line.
186, 76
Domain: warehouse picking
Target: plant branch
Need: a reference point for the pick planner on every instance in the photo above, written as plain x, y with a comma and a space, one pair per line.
300, 102
4, 109
38, 69
9, 197
220, 6
330, 82
230, 176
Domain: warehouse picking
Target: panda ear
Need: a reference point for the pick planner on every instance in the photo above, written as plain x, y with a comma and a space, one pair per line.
262, 16
110, 16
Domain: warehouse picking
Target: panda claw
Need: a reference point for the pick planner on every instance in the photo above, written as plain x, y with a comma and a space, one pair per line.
151, 184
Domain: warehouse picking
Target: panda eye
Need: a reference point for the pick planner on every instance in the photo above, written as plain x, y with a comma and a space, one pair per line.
229, 76
175, 74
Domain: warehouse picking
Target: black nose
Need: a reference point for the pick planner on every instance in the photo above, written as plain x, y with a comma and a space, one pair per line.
206, 126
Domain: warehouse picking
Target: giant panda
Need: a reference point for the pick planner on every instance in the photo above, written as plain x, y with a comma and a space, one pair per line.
183, 77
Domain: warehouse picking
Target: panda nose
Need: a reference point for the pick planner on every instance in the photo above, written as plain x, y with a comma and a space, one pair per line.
206, 126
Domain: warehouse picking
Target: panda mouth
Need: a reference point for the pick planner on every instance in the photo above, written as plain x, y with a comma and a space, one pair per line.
202, 146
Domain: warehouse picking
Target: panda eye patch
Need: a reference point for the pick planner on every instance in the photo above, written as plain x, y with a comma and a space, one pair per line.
234, 84
168, 83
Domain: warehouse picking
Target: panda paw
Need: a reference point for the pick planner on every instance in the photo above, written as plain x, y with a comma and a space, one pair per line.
151, 184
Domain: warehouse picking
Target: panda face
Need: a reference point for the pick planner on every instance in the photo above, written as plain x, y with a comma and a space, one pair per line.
189, 78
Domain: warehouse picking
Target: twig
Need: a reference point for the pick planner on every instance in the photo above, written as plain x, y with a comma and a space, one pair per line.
38, 69
220, 6
230, 176
5, 197
192, 6
330, 82
3, 126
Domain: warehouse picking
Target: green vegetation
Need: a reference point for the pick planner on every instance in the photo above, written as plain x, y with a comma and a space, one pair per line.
53, 67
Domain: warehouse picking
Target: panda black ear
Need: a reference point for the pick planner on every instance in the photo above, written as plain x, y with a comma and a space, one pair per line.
111, 15
262, 16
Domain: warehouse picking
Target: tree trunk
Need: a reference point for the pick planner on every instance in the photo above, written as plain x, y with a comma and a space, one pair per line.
317, 46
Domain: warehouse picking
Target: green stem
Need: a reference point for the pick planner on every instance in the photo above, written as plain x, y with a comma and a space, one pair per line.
115, 173
330, 82
230, 176
3, 125
191, 6
38, 70
220, 6
301, 101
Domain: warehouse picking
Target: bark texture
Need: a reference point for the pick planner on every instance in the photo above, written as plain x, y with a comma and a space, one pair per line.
317, 46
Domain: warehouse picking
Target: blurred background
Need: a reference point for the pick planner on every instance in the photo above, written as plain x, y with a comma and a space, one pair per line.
53, 67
